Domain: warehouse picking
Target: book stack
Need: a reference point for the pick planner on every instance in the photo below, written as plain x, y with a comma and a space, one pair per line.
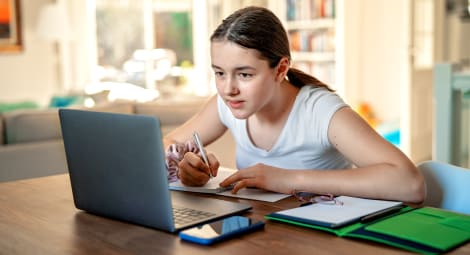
310, 9
312, 36
312, 40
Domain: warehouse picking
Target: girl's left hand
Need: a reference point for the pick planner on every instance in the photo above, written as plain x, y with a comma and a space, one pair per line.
263, 177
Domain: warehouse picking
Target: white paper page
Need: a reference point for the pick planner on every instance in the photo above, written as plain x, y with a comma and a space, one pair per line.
212, 186
256, 194
352, 209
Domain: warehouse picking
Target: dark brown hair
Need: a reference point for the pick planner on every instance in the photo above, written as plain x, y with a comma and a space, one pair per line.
258, 28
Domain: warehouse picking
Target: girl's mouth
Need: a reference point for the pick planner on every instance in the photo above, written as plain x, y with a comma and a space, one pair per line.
235, 104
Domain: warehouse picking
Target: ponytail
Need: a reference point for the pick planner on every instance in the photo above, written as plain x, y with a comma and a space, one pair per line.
299, 79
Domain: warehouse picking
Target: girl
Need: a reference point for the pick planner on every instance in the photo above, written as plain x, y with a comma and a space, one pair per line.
292, 132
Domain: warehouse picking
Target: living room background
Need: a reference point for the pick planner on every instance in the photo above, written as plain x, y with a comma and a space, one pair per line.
371, 66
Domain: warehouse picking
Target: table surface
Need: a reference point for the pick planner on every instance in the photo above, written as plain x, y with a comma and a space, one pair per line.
37, 216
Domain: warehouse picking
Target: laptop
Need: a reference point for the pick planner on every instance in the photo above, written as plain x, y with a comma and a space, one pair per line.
117, 169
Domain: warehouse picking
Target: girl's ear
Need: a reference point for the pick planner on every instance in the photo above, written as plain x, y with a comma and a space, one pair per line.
282, 68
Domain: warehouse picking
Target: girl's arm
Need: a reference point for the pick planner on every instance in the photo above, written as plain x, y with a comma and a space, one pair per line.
383, 171
206, 122
192, 170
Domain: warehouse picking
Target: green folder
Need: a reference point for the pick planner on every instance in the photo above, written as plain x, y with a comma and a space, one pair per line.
424, 230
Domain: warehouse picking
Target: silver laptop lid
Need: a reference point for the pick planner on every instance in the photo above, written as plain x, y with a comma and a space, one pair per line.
117, 169
115, 166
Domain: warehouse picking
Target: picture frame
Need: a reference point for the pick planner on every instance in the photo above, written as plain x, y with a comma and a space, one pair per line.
10, 27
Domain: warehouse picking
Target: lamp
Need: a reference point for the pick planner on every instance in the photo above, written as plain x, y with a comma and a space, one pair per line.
53, 26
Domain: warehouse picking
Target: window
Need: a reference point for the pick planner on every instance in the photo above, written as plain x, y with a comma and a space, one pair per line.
147, 43
423, 28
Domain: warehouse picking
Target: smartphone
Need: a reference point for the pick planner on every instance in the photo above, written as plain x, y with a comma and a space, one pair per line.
219, 230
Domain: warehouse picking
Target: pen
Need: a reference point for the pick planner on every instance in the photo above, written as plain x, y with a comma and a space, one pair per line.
201, 149
380, 214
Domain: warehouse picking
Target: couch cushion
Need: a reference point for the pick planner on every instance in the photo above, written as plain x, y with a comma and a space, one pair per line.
40, 125
28, 160
31, 125
174, 113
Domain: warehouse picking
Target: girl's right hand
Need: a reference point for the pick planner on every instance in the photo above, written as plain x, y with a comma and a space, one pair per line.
194, 172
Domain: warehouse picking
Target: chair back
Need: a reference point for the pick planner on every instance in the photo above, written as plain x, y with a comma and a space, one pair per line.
448, 186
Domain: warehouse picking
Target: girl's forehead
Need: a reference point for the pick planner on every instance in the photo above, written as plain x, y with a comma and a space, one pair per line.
229, 53
228, 47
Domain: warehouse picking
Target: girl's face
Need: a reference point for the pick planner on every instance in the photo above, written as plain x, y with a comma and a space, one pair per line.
243, 79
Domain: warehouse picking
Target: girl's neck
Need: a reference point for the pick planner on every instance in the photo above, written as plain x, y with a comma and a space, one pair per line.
265, 127
280, 106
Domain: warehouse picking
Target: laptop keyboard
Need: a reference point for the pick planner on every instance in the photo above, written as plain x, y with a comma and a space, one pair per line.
187, 215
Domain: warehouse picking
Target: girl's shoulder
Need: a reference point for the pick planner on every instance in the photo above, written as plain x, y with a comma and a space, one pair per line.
318, 99
310, 92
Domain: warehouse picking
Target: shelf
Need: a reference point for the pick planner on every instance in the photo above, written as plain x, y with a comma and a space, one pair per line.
314, 24
311, 27
298, 56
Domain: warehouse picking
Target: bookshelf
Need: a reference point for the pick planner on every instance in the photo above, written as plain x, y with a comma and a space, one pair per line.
311, 27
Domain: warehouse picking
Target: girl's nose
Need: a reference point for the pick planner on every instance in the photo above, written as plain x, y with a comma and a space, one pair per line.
230, 87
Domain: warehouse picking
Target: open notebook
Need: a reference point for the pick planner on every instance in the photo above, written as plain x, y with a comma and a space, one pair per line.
333, 216
213, 187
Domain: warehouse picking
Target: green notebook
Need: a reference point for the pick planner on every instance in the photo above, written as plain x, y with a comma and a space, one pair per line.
424, 230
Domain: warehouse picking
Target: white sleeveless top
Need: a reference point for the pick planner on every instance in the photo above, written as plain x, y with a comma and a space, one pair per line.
303, 142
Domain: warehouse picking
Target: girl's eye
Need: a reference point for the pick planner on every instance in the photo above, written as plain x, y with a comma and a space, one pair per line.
245, 75
217, 73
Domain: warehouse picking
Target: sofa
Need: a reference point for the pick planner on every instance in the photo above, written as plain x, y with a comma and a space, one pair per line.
31, 143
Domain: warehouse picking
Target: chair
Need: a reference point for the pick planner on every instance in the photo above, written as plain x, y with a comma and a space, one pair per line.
448, 186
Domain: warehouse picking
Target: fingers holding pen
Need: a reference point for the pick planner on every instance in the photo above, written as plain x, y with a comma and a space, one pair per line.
214, 164
210, 167
194, 172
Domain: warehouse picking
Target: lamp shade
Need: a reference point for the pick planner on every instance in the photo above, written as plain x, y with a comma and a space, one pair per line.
53, 23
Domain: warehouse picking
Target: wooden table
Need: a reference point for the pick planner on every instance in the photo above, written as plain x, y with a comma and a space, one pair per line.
37, 216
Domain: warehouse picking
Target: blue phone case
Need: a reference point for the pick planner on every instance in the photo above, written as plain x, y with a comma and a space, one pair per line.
209, 241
